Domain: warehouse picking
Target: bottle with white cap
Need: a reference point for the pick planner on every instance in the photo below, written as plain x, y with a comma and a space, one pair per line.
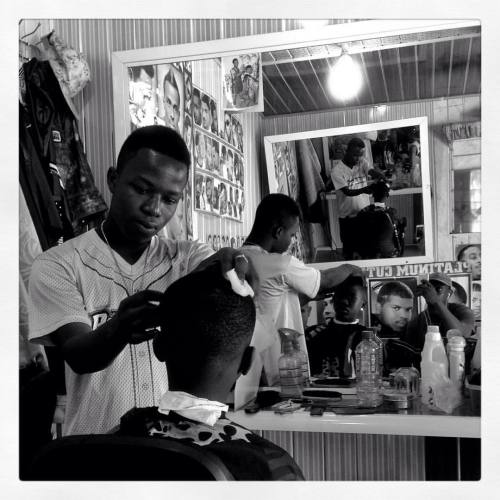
456, 353
434, 364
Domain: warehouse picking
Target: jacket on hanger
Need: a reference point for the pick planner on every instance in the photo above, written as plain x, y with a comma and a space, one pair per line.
55, 136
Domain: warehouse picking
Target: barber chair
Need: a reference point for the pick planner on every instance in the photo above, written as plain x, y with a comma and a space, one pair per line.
108, 457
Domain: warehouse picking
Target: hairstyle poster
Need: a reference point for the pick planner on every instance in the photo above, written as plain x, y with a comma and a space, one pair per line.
242, 83
392, 297
218, 159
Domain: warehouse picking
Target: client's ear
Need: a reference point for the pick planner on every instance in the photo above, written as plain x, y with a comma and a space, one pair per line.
246, 360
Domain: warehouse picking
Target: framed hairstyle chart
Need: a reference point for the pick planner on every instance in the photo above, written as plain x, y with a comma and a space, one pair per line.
401, 281
218, 159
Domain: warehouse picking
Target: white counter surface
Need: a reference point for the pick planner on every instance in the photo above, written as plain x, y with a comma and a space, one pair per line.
416, 422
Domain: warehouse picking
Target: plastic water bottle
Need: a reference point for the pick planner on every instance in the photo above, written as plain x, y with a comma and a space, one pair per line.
380, 344
456, 356
290, 370
453, 332
368, 376
434, 364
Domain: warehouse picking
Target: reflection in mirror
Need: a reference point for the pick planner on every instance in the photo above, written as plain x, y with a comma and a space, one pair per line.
363, 191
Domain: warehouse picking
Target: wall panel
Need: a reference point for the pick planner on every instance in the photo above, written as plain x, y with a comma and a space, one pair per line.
354, 457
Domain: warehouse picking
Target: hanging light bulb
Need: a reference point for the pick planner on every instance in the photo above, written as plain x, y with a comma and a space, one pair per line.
345, 78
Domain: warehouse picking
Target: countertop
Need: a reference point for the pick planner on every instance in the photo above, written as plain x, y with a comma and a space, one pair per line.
417, 421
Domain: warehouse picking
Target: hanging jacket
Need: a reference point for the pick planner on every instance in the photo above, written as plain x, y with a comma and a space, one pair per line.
34, 180
55, 136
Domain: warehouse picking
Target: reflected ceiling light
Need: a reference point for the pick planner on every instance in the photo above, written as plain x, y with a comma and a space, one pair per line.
313, 23
345, 78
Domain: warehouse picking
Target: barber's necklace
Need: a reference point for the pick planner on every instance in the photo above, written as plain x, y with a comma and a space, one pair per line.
124, 281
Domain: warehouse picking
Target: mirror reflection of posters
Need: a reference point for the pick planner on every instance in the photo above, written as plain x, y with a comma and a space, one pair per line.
242, 82
470, 254
285, 167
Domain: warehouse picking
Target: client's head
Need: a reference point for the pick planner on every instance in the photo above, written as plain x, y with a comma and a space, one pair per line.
380, 191
206, 330
349, 299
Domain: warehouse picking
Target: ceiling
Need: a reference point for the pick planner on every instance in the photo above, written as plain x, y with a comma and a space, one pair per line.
407, 67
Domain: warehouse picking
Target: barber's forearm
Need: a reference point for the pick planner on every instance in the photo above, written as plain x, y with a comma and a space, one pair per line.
89, 352
355, 192
450, 321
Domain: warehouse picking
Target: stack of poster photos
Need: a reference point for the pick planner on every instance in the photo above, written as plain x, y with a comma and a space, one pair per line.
161, 94
382, 305
218, 160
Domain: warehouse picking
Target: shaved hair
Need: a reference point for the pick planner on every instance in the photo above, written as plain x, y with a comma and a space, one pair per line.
397, 288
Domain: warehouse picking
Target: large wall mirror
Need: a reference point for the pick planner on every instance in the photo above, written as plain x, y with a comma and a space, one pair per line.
392, 225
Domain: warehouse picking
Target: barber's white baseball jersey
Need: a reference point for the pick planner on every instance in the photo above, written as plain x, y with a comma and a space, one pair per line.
351, 178
79, 282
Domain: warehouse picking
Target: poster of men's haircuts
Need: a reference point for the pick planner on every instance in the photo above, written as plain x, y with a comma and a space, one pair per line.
393, 300
160, 95
218, 160
470, 254
242, 83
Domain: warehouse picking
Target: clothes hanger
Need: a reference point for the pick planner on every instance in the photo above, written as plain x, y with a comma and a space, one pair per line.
38, 26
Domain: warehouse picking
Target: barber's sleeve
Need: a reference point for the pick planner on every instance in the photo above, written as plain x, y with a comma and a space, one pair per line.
303, 279
196, 254
55, 300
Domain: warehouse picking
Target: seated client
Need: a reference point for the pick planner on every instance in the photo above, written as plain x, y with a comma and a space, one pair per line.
205, 337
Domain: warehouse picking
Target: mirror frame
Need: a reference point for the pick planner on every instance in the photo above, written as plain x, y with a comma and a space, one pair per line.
422, 123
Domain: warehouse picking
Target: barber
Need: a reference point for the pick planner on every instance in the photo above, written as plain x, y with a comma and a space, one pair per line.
96, 296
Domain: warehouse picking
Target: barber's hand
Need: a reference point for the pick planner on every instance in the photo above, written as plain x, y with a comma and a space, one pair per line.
138, 315
344, 271
229, 258
428, 292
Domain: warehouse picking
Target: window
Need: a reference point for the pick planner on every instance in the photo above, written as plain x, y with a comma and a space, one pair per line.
466, 181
